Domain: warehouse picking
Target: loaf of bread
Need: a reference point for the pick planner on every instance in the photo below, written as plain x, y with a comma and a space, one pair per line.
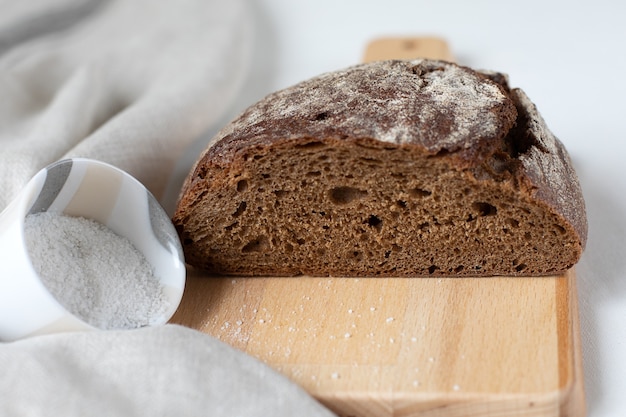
392, 168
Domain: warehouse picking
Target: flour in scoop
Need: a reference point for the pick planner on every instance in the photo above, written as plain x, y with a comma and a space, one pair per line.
97, 275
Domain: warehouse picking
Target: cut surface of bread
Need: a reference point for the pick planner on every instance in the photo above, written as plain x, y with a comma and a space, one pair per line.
393, 168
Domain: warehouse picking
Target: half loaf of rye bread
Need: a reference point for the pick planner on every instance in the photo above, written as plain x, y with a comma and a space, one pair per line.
392, 168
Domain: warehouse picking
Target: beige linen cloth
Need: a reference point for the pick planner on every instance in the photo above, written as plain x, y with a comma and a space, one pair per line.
132, 83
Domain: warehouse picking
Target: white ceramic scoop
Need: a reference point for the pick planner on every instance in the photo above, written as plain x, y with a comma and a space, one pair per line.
94, 190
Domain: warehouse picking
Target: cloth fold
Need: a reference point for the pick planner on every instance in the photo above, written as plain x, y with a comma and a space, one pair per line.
164, 371
132, 83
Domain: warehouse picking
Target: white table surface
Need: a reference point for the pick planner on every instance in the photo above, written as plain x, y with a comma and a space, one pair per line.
569, 58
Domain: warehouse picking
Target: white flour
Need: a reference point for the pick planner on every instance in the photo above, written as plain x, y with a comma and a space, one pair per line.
94, 273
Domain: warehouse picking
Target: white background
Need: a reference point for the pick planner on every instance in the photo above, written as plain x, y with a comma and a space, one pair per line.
569, 57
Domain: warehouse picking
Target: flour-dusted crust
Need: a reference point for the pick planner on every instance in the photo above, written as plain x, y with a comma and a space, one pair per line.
398, 168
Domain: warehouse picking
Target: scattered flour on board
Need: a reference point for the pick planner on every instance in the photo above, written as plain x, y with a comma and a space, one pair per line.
97, 275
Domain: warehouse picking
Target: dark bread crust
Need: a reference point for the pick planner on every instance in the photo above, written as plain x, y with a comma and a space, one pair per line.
389, 101
444, 117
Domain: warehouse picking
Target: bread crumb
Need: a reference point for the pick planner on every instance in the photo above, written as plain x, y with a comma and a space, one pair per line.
421, 107
390, 319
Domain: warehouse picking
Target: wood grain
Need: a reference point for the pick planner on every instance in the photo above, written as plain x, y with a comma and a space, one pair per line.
405, 347
378, 347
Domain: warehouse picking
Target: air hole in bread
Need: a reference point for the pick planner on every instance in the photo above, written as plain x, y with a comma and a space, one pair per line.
484, 209
260, 244
419, 192
346, 195
513, 223
240, 209
242, 186
375, 222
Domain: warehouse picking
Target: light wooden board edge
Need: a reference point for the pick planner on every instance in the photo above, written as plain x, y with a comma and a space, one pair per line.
573, 402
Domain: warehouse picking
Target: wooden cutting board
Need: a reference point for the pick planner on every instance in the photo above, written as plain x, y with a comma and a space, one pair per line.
377, 347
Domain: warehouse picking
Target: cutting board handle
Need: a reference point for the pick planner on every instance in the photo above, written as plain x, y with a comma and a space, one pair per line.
407, 48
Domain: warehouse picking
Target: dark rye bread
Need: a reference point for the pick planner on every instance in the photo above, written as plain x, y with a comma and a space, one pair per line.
393, 168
